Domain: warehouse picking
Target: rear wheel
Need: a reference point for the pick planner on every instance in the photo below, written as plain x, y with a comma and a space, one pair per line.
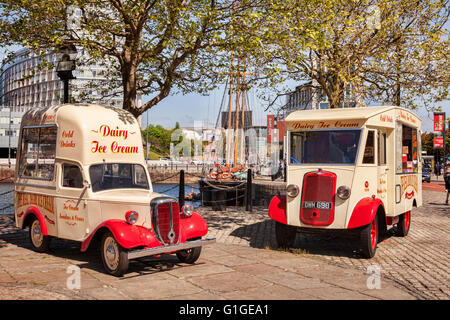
39, 242
285, 235
369, 238
403, 224
114, 256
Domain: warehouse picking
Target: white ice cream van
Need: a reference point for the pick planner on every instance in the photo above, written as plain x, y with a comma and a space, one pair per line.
81, 175
352, 168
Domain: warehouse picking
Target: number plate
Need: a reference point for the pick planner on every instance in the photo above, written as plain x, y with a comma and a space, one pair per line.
317, 205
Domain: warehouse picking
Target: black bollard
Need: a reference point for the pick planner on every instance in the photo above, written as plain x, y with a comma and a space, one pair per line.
248, 191
181, 190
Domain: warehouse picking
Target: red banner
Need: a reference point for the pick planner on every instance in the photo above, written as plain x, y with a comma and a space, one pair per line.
438, 143
438, 122
280, 127
439, 130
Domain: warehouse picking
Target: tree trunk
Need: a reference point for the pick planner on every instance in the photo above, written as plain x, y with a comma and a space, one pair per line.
334, 92
128, 70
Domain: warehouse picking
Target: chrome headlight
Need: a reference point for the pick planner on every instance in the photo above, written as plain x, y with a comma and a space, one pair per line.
292, 190
343, 192
188, 210
131, 217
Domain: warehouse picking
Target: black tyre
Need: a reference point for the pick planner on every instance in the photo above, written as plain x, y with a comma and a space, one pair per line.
189, 255
39, 242
114, 256
404, 224
369, 238
285, 235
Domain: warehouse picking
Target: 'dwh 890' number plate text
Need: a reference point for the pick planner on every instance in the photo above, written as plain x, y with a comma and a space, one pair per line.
317, 205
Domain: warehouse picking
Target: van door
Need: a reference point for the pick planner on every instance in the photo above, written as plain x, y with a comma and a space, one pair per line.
365, 182
382, 190
70, 203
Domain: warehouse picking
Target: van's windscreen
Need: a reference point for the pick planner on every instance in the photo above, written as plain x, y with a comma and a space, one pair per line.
333, 147
117, 176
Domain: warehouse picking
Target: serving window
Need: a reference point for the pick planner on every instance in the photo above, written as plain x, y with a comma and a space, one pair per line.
407, 149
37, 157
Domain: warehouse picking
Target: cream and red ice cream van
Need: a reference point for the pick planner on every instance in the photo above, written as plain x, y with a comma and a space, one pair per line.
81, 175
354, 168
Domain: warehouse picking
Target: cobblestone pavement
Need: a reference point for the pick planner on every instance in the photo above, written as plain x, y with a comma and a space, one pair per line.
243, 264
418, 263
223, 272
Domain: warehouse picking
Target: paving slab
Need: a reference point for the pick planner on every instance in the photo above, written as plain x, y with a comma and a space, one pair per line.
253, 268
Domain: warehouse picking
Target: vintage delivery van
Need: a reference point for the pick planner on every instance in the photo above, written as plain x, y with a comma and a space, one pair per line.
356, 168
81, 175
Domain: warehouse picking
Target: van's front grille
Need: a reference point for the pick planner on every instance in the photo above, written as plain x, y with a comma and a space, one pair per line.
166, 220
318, 192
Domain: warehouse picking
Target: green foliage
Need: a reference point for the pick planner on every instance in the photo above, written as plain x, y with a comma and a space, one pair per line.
390, 51
393, 51
154, 47
159, 139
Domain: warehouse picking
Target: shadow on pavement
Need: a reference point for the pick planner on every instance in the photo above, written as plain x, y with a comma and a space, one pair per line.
340, 243
90, 259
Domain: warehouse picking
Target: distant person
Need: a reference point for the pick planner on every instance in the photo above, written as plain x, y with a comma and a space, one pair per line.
447, 181
436, 169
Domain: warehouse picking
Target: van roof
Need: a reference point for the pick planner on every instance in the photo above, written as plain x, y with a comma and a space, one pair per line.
339, 113
90, 133
76, 111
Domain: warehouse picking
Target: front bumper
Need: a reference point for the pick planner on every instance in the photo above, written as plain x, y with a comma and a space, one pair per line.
133, 254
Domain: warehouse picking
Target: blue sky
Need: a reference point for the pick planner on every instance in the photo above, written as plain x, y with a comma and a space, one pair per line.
186, 109
193, 107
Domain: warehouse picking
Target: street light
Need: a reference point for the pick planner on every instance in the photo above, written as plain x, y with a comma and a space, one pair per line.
65, 66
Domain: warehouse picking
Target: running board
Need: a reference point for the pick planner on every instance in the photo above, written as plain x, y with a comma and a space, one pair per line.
171, 248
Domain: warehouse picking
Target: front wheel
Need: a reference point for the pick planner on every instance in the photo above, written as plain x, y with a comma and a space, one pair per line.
285, 235
369, 238
114, 256
189, 255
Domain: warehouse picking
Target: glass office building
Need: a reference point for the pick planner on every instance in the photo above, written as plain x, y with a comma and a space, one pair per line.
25, 84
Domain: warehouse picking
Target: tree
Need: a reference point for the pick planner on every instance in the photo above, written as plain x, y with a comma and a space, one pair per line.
386, 51
153, 46
427, 142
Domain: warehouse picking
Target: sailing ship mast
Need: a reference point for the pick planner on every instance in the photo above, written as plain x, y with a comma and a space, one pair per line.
237, 93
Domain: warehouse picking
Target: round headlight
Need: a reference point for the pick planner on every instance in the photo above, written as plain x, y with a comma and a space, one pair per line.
292, 190
343, 192
131, 217
188, 210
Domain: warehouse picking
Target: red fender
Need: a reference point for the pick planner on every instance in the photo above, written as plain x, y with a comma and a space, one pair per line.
364, 212
277, 209
35, 211
128, 236
193, 227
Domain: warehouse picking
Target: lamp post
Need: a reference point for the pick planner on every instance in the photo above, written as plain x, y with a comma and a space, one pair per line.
9, 139
65, 66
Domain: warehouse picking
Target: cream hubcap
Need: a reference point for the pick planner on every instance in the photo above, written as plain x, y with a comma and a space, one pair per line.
36, 235
111, 253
